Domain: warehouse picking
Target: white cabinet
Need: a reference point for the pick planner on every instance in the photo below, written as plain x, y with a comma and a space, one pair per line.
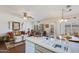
40, 49
30, 47
25, 37
35, 48
18, 39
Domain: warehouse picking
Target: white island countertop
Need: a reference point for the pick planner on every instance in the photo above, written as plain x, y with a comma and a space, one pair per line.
55, 44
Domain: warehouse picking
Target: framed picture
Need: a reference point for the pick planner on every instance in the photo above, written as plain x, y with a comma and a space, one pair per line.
15, 26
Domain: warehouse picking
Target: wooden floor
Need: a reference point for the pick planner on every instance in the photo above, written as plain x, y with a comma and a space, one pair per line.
17, 49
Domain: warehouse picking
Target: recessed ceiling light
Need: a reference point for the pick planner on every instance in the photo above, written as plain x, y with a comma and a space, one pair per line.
74, 17
68, 6
70, 9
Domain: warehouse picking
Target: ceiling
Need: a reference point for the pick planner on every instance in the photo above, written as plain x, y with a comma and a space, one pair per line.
40, 12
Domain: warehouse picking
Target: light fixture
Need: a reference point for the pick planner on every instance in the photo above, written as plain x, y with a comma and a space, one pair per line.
65, 20
25, 15
68, 6
24, 18
74, 17
61, 20
68, 9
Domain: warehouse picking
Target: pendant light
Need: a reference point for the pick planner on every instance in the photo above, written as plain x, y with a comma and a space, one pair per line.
68, 9
25, 15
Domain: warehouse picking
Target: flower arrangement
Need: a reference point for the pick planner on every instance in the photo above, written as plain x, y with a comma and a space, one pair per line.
10, 35
67, 36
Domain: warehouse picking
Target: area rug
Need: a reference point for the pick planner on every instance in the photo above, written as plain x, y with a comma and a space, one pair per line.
11, 45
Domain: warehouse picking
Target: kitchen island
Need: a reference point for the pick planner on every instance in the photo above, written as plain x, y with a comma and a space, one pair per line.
50, 45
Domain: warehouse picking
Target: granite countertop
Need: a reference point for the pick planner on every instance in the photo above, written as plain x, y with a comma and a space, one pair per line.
56, 45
